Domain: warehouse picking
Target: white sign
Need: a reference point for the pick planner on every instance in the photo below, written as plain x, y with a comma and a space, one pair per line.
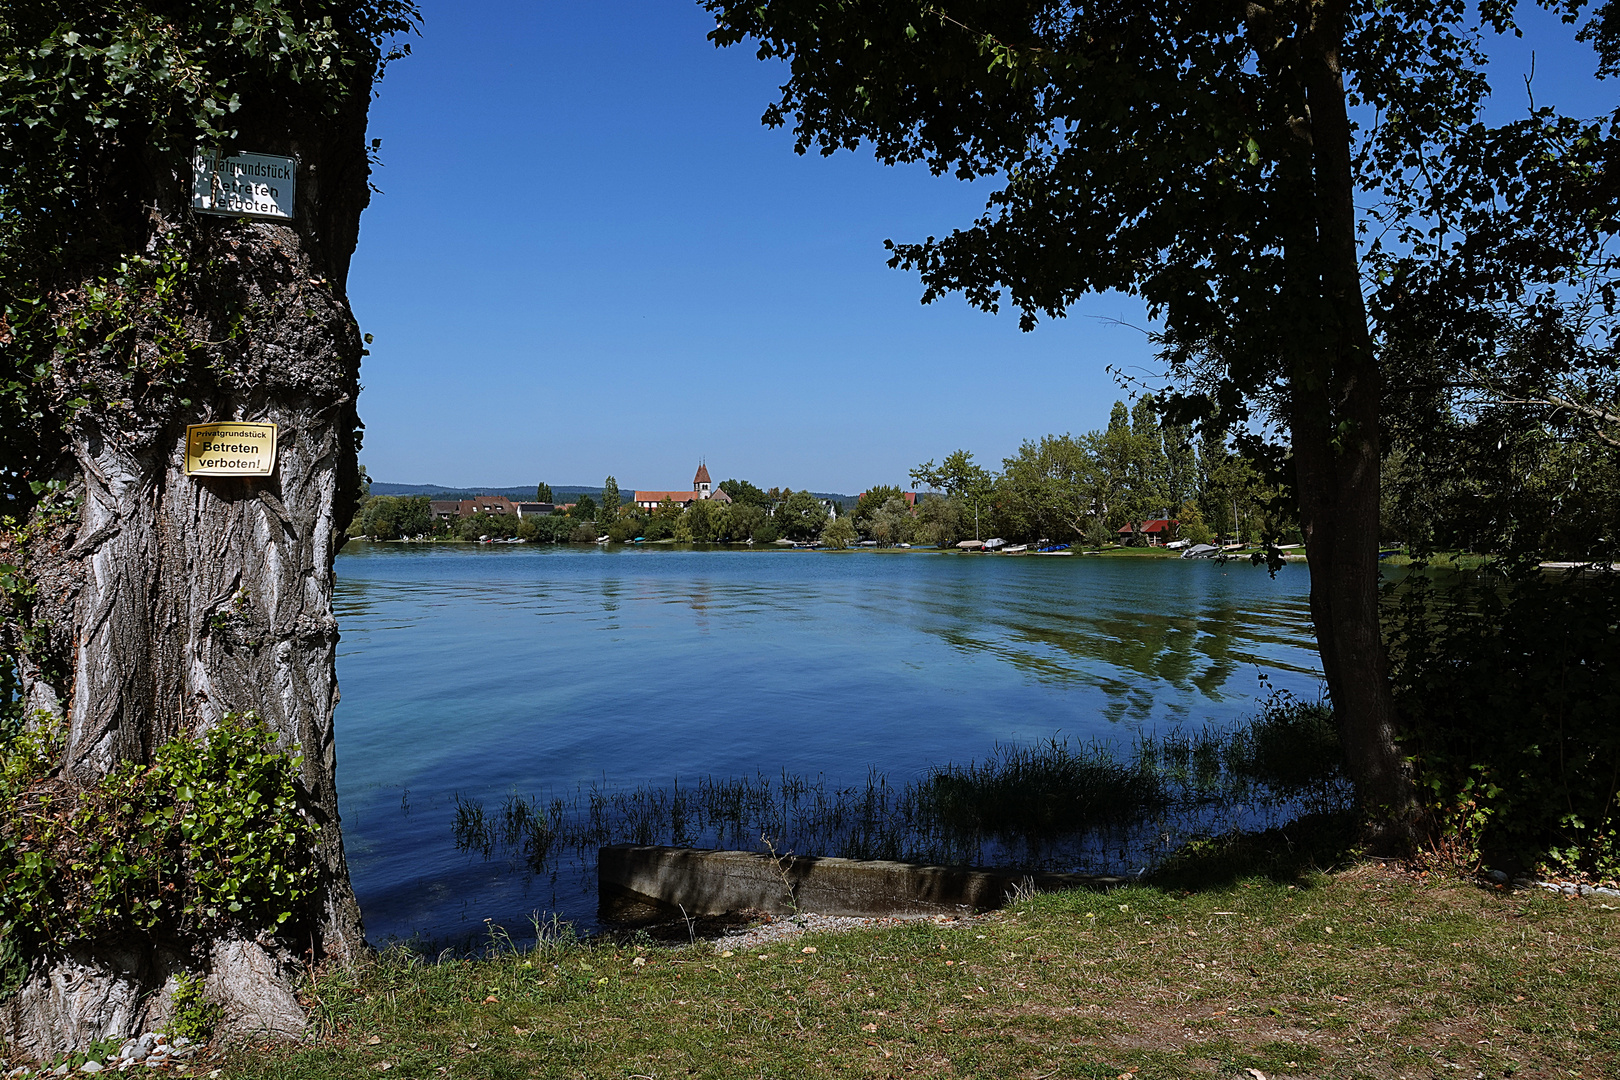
230, 449
244, 185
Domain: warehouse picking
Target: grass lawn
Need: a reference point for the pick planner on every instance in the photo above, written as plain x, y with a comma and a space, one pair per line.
1443, 560
1370, 972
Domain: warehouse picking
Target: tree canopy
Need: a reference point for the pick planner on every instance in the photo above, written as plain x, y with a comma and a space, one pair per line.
801, 516
741, 491
1177, 151
1299, 191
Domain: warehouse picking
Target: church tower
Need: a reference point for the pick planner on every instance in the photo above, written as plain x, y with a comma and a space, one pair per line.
700, 482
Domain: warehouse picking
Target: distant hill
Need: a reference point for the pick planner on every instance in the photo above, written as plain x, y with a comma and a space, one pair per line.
562, 492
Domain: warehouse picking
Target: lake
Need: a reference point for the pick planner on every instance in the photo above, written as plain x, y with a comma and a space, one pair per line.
482, 671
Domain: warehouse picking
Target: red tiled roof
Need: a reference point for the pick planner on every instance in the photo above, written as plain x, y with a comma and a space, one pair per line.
702, 476
486, 504
1155, 526
660, 496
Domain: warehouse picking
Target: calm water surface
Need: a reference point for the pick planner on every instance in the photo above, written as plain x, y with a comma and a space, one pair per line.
484, 671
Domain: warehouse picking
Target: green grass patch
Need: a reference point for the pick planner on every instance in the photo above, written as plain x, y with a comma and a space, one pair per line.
1365, 973
1443, 560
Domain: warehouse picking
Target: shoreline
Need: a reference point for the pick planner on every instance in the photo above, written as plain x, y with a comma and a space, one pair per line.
1243, 554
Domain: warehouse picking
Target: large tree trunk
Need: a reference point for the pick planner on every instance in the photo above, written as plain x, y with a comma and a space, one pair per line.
173, 600
1335, 396
1337, 481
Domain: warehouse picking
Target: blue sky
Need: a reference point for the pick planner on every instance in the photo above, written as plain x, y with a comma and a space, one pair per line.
589, 257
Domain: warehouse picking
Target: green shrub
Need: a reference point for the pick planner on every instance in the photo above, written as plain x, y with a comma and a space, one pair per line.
211, 832
547, 529
13, 963
389, 517
494, 526
1192, 528
1509, 691
191, 1014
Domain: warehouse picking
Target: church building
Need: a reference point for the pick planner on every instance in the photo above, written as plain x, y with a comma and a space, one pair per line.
702, 488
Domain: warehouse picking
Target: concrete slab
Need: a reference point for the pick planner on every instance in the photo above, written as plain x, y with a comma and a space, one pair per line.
634, 880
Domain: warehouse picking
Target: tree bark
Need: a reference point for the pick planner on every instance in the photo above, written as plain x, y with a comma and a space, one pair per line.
1334, 414
172, 600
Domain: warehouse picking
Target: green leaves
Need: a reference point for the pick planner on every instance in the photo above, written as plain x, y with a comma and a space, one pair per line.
89, 88
192, 1013
212, 830
1509, 690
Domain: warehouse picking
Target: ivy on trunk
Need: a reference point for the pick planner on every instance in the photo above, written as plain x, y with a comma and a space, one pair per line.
144, 605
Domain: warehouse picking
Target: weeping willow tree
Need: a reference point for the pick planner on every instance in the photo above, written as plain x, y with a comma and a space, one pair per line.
153, 836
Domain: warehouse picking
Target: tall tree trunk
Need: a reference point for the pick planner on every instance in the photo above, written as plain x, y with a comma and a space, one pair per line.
174, 600
1334, 408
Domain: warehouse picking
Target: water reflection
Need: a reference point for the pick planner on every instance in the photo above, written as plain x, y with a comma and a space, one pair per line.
1111, 634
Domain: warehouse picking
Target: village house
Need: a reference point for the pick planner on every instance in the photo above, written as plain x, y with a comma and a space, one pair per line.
486, 504
702, 488
1158, 531
451, 509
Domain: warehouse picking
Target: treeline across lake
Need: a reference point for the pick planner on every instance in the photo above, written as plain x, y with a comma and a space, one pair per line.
1476, 483
752, 515
1062, 488
1101, 487
396, 517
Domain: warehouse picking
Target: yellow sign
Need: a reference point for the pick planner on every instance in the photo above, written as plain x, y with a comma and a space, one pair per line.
230, 449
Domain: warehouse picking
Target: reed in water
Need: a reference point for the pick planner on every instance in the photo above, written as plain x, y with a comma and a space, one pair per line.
1057, 804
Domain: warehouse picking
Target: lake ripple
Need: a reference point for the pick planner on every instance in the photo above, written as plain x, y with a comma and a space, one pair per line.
487, 671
